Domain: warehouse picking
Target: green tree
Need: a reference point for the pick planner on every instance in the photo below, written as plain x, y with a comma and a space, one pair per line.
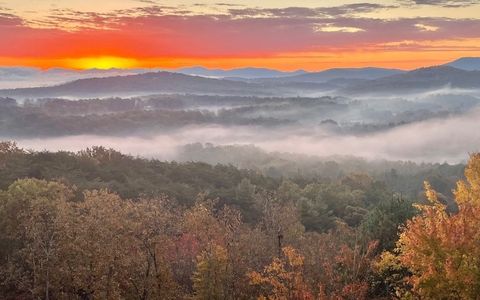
383, 222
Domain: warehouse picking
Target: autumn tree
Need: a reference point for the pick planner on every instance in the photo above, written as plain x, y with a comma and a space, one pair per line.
211, 278
96, 246
338, 263
154, 224
280, 221
31, 228
283, 279
441, 249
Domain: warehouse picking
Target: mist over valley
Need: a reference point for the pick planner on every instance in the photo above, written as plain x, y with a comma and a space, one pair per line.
369, 113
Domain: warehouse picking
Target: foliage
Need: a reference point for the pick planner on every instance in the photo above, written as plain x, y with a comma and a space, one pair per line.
211, 278
102, 225
283, 278
441, 249
383, 222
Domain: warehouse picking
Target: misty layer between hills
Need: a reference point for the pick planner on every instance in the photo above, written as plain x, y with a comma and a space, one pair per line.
434, 140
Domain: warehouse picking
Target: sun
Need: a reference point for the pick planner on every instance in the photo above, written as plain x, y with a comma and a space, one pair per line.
102, 62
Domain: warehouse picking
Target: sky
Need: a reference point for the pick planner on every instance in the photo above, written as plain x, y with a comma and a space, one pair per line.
281, 34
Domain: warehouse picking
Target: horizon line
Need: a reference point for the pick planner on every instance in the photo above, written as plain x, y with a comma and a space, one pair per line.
167, 69
105, 63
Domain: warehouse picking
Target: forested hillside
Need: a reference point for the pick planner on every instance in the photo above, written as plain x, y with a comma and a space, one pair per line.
99, 224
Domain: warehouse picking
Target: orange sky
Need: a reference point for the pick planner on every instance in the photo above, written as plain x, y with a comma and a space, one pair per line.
293, 35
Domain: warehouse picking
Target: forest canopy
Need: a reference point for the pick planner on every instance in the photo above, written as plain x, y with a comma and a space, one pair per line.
98, 224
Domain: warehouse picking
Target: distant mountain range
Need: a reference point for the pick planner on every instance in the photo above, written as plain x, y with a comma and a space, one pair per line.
342, 73
13, 77
466, 63
18, 77
419, 80
139, 84
256, 81
245, 73
423, 79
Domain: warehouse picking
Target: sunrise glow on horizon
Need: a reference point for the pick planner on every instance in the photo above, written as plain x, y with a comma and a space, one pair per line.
290, 35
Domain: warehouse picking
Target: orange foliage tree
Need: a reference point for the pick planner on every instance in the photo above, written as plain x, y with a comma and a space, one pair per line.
283, 278
441, 249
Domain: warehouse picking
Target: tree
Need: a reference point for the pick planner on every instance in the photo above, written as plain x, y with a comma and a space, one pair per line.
95, 245
245, 199
30, 224
383, 222
390, 278
154, 223
211, 278
339, 263
441, 249
283, 279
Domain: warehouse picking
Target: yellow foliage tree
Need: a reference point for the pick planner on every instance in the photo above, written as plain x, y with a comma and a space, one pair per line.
283, 279
442, 249
210, 280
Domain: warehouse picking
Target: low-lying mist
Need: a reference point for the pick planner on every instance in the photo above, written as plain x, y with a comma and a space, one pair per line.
435, 140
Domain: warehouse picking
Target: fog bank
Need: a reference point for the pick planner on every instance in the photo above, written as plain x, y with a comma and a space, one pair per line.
436, 140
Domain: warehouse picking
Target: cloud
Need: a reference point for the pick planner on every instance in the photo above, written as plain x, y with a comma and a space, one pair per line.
424, 27
443, 3
167, 31
9, 20
228, 4
355, 8
147, 1
305, 12
330, 28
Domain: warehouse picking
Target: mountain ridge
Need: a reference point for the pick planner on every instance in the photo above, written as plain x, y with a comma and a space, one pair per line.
343, 80
422, 79
152, 82
466, 63
344, 73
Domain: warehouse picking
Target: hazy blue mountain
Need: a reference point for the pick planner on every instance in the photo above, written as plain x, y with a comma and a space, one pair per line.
247, 73
17, 73
121, 82
22, 77
466, 63
139, 84
342, 73
419, 80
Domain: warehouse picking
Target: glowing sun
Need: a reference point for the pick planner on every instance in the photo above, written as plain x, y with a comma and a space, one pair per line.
103, 62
